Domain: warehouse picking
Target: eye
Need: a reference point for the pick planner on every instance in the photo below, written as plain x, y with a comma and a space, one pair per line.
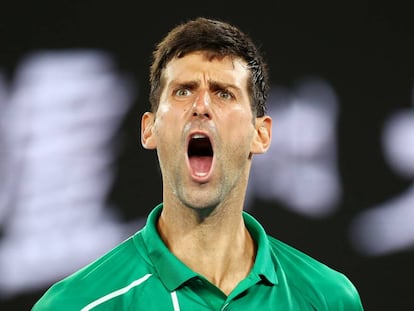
182, 92
223, 94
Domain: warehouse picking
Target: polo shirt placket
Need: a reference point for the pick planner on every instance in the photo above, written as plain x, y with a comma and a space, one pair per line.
189, 285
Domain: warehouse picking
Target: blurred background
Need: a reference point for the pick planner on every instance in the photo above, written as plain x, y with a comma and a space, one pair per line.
337, 183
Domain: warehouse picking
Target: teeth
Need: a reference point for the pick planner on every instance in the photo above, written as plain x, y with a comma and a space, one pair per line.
201, 174
197, 136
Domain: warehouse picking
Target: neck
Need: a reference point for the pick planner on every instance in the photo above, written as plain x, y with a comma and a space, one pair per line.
216, 245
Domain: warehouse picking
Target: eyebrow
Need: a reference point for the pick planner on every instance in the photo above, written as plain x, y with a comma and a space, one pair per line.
188, 84
213, 85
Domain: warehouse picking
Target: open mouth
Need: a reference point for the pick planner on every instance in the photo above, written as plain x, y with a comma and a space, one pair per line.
200, 155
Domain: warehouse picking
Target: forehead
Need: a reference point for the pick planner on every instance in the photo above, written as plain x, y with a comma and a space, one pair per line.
200, 66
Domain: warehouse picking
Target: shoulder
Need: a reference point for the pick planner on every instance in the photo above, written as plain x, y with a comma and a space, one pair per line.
118, 268
317, 280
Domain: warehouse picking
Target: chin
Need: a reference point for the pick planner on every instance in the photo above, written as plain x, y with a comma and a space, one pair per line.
202, 206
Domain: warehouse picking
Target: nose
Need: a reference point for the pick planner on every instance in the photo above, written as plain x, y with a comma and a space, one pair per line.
202, 106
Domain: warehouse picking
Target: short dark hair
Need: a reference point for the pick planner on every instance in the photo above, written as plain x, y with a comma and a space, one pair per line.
219, 39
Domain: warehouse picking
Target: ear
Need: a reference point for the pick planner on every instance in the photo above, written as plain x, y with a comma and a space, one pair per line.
263, 135
148, 139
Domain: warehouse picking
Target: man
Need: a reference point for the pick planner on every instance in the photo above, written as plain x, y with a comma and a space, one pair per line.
199, 250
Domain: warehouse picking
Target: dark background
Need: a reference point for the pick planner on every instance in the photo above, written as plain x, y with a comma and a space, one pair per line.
366, 52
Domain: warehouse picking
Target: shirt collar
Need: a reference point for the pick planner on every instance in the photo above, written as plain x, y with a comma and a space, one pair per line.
173, 273
170, 269
265, 263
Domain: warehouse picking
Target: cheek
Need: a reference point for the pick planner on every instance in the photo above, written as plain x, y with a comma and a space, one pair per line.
166, 128
170, 114
163, 108
240, 135
162, 118
240, 122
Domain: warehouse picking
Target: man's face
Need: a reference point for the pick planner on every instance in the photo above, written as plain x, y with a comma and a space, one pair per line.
203, 130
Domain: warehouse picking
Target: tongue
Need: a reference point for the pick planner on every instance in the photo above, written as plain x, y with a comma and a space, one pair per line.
200, 165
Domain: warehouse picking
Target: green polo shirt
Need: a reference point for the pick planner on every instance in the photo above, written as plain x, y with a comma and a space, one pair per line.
142, 274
